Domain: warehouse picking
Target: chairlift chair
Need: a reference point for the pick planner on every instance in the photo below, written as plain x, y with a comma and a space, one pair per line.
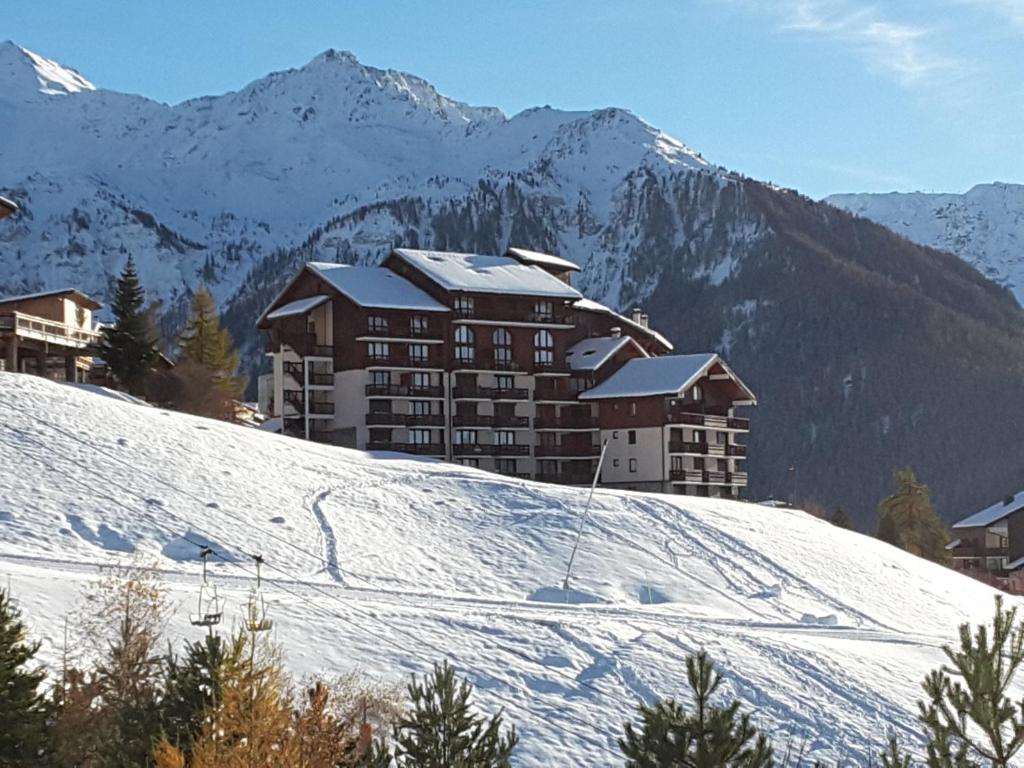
210, 610
256, 616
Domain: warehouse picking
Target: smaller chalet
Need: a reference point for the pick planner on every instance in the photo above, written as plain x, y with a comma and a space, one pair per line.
990, 544
48, 334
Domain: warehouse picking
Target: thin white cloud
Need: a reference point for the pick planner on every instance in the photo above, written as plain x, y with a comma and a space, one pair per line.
1011, 11
907, 53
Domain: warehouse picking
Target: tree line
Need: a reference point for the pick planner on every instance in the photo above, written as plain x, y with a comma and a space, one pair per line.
121, 699
204, 378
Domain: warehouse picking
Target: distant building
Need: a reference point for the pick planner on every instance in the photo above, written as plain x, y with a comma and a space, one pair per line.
990, 544
49, 334
498, 362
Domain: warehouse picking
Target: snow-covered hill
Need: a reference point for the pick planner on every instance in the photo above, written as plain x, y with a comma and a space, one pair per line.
387, 563
984, 226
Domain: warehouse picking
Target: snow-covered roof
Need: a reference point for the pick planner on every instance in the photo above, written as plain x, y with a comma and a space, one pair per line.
81, 298
376, 287
297, 307
591, 354
994, 513
476, 273
542, 259
953, 544
649, 376
590, 305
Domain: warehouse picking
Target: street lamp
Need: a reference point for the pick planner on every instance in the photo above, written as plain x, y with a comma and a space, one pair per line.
7, 207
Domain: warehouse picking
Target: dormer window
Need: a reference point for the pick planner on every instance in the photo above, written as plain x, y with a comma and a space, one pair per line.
697, 392
543, 311
377, 324
418, 325
464, 306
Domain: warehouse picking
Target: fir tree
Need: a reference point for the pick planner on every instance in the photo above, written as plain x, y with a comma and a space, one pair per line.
191, 689
969, 717
128, 346
710, 737
23, 710
205, 378
443, 732
908, 521
840, 519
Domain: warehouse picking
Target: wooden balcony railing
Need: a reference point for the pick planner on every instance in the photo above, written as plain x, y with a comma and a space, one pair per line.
402, 390
542, 393
51, 331
405, 419
565, 422
587, 451
490, 393
420, 449
489, 449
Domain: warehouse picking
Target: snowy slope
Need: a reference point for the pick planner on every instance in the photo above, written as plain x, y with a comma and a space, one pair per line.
984, 226
387, 563
202, 191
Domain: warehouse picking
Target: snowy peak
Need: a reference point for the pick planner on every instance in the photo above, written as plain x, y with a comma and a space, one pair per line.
25, 72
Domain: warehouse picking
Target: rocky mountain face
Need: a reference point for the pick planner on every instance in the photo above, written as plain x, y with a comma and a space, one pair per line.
984, 226
867, 351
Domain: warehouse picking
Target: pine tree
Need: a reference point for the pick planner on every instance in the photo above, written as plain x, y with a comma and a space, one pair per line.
205, 376
711, 737
23, 709
908, 521
840, 519
129, 346
969, 717
443, 732
191, 689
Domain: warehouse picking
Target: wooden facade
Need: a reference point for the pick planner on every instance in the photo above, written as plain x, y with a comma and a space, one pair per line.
479, 375
49, 334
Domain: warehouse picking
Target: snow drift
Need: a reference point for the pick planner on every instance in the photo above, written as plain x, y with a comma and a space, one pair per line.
387, 564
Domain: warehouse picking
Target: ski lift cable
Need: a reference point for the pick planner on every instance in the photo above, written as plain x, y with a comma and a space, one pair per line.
421, 641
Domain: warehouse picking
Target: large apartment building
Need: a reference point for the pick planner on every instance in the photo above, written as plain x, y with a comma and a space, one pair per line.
498, 362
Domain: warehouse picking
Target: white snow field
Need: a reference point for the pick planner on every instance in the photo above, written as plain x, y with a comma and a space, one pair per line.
386, 564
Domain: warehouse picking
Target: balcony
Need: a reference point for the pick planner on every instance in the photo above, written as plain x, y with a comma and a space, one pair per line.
485, 364
403, 390
50, 331
383, 418
566, 422
483, 420
736, 450
551, 368
713, 418
487, 314
488, 449
559, 396
680, 446
321, 408
409, 332
588, 451
420, 449
490, 393
695, 476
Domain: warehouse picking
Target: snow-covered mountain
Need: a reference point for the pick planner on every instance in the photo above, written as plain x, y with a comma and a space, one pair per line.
984, 226
386, 564
202, 191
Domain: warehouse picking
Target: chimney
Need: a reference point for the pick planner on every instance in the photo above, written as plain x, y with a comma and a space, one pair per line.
637, 314
645, 321
616, 332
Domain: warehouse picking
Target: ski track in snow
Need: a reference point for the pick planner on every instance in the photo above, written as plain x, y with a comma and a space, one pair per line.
442, 561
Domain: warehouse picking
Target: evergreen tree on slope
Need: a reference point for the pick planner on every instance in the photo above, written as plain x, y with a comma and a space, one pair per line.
442, 731
128, 346
710, 737
206, 380
192, 687
907, 519
23, 710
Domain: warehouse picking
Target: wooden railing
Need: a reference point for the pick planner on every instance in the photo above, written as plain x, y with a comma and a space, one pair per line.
489, 449
32, 326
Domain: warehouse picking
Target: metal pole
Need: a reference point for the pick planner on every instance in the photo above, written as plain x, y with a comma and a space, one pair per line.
583, 519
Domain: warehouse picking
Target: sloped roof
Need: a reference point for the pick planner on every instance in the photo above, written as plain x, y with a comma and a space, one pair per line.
591, 354
7, 207
376, 287
992, 514
589, 305
80, 298
542, 259
649, 376
297, 307
476, 273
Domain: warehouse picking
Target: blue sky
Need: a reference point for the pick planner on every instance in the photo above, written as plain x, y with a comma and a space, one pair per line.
821, 95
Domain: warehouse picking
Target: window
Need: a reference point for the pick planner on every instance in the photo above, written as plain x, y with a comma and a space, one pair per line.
420, 380
380, 378
632, 409
543, 348
380, 435
698, 436
615, 462
698, 394
419, 436
380, 406
632, 465
677, 464
379, 351
465, 437
464, 306
504, 438
547, 467
506, 466
418, 325
502, 347
377, 324
720, 437
543, 311
504, 382
547, 439
632, 436
418, 353
419, 407
469, 462
464, 350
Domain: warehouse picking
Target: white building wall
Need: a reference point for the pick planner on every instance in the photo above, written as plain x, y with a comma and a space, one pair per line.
351, 404
648, 453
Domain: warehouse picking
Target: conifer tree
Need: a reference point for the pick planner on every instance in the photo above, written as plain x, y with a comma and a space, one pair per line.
442, 730
206, 375
969, 715
710, 737
128, 346
908, 521
23, 709
191, 689
841, 519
